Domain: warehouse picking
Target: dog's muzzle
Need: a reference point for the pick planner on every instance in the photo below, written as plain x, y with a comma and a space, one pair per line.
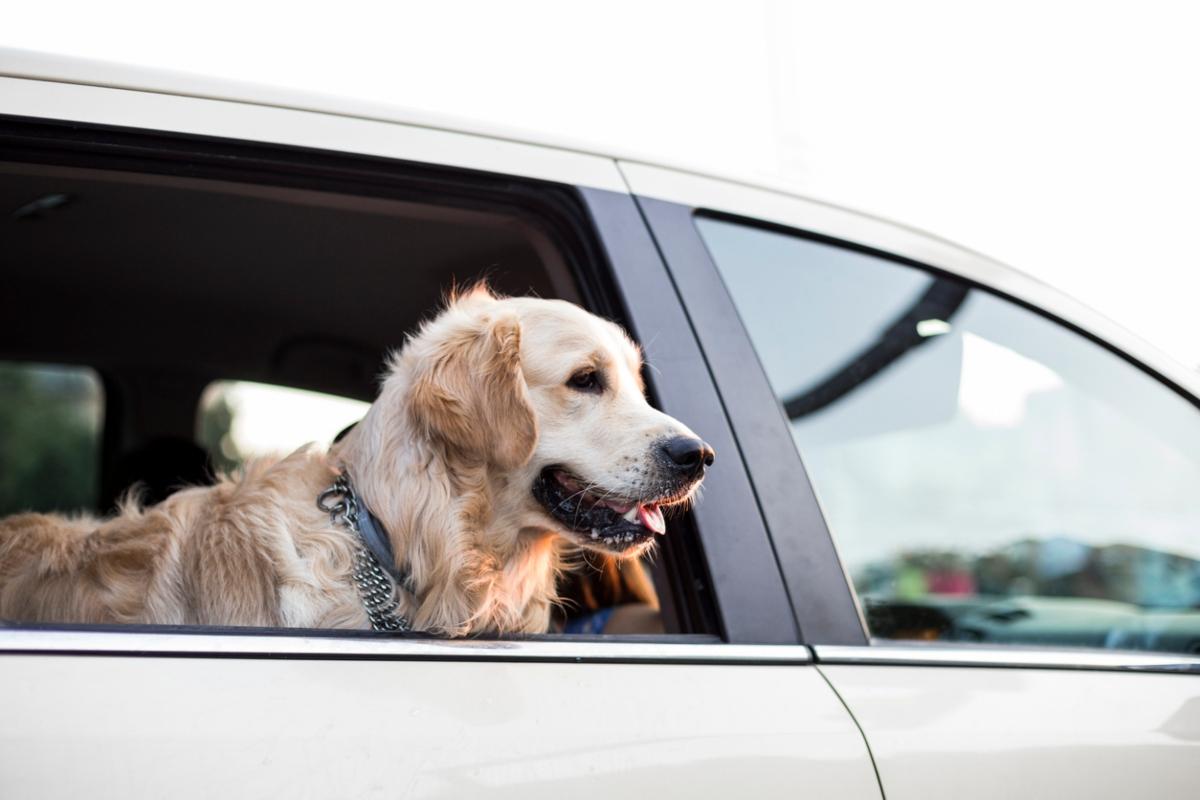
615, 524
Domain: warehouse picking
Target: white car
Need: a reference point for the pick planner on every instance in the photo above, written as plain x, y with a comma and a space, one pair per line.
950, 549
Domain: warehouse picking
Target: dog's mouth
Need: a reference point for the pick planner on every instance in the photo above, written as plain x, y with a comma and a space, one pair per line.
617, 524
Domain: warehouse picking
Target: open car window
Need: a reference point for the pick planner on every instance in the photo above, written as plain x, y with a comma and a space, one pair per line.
988, 474
233, 320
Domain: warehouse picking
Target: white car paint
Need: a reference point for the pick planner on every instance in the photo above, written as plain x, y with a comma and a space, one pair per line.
192, 716
945, 733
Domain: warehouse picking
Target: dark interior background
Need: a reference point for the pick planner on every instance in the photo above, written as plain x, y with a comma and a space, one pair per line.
301, 288
164, 284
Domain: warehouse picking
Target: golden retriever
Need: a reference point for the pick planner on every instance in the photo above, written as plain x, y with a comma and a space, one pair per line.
507, 432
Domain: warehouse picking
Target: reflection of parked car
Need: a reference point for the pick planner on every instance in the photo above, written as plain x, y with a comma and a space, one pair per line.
165, 233
1056, 590
1052, 621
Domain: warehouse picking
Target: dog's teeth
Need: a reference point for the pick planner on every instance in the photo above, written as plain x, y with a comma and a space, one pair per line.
631, 515
595, 533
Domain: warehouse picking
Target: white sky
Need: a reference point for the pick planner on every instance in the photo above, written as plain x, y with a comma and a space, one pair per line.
1060, 137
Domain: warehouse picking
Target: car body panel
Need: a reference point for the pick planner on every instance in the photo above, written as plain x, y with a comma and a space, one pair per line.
952, 732
246, 716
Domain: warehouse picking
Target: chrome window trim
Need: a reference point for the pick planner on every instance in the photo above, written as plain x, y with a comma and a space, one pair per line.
983, 655
388, 648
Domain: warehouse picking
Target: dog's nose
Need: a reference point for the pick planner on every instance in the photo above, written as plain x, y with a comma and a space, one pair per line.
688, 455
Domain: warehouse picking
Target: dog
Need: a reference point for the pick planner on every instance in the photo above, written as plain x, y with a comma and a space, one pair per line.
508, 433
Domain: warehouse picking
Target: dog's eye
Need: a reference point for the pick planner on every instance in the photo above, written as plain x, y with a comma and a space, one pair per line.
586, 380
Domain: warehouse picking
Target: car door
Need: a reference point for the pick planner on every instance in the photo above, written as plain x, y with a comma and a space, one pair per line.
1012, 498
732, 704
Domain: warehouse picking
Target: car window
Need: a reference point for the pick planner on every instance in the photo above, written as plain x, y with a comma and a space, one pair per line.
239, 420
50, 426
987, 474
309, 283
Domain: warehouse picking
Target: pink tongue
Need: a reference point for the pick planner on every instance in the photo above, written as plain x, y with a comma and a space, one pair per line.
652, 518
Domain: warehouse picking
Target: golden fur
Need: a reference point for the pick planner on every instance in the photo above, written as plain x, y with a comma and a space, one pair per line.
472, 408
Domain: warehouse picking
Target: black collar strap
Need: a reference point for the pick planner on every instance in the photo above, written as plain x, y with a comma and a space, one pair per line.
374, 571
376, 539
337, 501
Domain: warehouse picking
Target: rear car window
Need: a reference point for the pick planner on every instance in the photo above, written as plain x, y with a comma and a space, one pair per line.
987, 474
50, 427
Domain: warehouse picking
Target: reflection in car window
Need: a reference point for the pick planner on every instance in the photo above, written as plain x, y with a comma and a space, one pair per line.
988, 474
50, 422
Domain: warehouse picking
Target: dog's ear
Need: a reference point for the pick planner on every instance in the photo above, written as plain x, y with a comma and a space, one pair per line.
471, 394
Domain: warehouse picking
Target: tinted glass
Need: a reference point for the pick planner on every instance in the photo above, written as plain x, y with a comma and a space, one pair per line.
988, 474
50, 425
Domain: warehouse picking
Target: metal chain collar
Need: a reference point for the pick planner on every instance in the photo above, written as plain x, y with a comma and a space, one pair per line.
375, 586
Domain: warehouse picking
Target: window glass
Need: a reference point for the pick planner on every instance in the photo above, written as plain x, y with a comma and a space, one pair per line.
988, 474
50, 426
239, 420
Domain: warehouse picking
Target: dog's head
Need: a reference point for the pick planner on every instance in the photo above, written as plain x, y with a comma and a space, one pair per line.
550, 400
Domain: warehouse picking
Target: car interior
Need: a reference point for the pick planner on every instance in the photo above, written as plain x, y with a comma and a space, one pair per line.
155, 286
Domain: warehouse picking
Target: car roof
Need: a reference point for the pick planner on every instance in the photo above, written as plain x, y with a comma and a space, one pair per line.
22, 63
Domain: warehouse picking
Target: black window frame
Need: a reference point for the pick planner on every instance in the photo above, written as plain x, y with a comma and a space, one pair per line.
820, 592
744, 571
728, 584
